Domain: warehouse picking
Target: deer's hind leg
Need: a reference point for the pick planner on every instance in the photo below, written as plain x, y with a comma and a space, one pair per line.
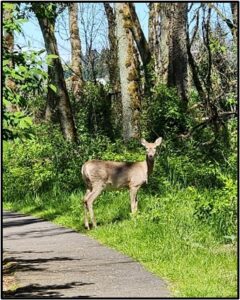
90, 197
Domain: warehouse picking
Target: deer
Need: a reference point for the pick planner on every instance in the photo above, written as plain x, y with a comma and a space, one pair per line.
99, 175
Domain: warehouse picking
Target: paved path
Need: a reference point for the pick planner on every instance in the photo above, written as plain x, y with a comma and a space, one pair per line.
57, 262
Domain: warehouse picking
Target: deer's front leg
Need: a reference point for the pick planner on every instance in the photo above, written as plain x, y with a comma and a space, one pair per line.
86, 224
134, 200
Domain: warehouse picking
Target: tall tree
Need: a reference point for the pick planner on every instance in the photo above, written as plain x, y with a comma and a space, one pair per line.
129, 74
46, 15
154, 39
138, 35
77, 78
112, 54
133, 24
168, 44
178, 59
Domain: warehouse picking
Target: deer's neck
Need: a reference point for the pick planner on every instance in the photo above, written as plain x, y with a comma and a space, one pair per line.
150, 164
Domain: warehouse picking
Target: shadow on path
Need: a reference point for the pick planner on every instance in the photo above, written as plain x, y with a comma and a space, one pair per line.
21, 222
47, 291
38, 233
26, 265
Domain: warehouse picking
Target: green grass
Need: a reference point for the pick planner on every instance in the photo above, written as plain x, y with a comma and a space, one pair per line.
164, 236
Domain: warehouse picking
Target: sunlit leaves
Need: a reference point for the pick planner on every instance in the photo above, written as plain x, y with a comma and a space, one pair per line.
23, 77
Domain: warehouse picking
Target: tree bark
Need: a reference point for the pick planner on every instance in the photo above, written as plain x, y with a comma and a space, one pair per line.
235, 17
131, 20
154, 34
51, 111
178, 72
47, 24
160, 24
112, 55
168, 44
129, 75
138, 35
77, 78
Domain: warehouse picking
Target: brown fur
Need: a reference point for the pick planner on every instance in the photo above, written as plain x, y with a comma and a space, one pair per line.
99, 175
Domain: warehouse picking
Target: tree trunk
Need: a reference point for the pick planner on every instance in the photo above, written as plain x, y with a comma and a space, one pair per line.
235, 16
138, 35
112, 57
129, 75
113, 69
178, 72
51, 111
154, 38
47, 25
77, 79
132, 22
168, 44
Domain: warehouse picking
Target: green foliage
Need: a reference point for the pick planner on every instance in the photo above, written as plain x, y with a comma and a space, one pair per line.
27, 168
23, 77
219, 209
164, 113
187, 171
117, 151
49, 11
27, 78
49, 59
46, 161
14, 21
94, 111
68, 158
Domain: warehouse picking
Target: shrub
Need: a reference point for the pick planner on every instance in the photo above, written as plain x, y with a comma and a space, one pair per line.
218, 208
164, 114
93, 114
47, 160
68, 158
27, 167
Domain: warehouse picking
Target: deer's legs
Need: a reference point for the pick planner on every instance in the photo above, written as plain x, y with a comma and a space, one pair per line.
86, 224
88, 201
133, 197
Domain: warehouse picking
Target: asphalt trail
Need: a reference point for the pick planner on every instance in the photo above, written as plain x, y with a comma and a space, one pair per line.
55, 262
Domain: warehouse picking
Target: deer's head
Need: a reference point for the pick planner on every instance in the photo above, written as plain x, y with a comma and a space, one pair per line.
151, 147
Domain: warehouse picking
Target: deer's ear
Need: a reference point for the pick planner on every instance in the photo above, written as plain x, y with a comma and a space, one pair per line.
158, 141
143, 142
